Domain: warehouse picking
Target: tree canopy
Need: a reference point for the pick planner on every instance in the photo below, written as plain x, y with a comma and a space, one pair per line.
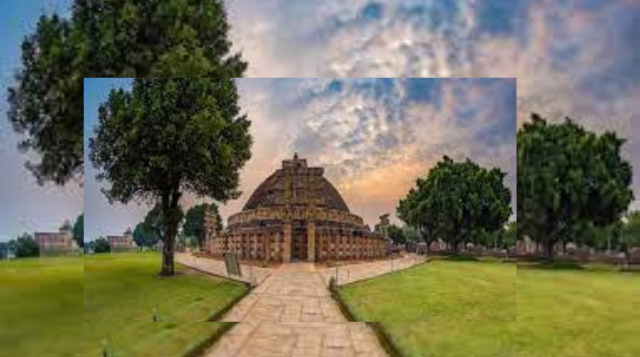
631, 231
26, 246
78, 230
101, 245
458, 202
569, 179
170, 136
396, 234
125, 38
194, 221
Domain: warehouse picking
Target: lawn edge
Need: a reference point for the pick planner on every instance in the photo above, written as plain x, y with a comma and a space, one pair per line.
344, 308
427, 260
220, 313
385, 339
201, 347
383, 336
216, 316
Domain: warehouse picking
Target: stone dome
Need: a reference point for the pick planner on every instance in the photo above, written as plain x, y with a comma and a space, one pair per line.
295, 184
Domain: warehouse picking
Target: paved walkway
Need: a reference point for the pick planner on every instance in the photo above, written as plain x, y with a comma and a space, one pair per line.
295, 292
291, 313
251, 274
298, 339
347, 274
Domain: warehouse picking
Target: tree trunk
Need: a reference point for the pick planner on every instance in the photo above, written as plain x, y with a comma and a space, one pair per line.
167, 260
171, 220
455, 248
549, 247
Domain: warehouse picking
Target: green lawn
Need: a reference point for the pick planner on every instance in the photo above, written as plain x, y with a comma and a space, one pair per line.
40, 306
560, 313
438, 291
123, 290
578, 313
121, 293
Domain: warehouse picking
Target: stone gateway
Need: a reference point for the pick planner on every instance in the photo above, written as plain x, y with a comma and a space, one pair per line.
296, 214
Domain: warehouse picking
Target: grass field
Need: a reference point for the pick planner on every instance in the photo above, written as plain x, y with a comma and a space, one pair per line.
578, 313
40, 306
560, 313
438, 291
121, 294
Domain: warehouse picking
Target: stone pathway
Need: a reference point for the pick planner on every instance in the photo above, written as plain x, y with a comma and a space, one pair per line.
294, 292
347, 274
291, 313
298, 339
251, 274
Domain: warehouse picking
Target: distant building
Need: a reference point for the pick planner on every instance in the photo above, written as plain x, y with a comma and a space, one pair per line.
121, 243
56, 243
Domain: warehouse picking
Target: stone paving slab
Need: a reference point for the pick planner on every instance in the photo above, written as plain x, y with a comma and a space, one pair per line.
347, 274
298, 339
251, 274
294, 292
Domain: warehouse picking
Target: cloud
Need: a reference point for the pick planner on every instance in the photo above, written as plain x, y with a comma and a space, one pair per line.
575, 58
374, 137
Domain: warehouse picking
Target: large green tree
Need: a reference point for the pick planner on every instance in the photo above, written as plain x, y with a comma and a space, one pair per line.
150, 230
101, 245
630, 233
569, 179
396, 234
417, 212
144, 236
170, 136
26, 246
194, 221
123, 38
458, 202
78, 230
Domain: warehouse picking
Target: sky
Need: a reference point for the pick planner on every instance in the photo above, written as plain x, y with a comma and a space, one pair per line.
24, 205
574, 58
374, 137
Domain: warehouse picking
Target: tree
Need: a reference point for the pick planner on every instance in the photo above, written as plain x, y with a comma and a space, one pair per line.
510, 236
150, 230
416, 212
460, 202
127, 38
78, 230
167, 137
101, 245
630, 233
26, 246
410, 233
43, 103
145, 237
4, 250
568, 179
194, 222
170, 39
396, 234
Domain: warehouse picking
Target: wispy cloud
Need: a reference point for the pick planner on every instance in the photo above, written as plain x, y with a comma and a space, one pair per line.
575, 58
376, 136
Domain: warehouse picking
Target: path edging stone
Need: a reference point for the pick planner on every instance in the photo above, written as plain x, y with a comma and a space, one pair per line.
335, 295
385, 340
427, 260
203, 346
218, 315
383, 336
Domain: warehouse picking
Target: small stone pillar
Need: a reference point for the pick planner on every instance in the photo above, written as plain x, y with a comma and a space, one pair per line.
311, 241
286, 252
